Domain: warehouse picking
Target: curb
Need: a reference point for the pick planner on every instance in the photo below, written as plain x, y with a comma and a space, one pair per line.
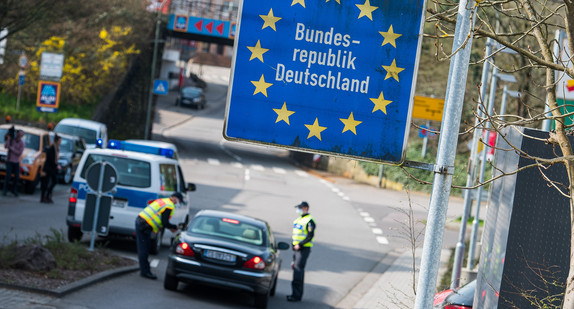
76, 285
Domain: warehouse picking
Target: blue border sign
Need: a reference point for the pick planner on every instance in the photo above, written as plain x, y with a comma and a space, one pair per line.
333, 77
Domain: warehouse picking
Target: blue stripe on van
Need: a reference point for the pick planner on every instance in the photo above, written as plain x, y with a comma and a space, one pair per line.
136, 198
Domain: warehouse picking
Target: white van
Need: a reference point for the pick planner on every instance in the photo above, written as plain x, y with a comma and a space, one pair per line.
142, 178
94, 133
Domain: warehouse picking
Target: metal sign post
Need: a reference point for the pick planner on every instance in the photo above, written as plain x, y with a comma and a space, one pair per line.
454, 99
101, 178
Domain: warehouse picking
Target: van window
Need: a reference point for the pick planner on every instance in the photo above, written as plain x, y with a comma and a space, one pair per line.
90, 136
131, 172
32, 141
168, 177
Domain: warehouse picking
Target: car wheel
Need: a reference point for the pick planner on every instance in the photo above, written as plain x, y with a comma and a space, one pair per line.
30, 186
74, 234
170, 282
273, 287
156, 243
67, 179
261, 300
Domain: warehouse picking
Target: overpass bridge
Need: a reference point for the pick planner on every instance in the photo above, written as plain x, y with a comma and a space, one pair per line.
212, 21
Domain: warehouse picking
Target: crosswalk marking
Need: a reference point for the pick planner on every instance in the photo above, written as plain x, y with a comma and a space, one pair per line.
382, 240
237, 165
213, 161
258, 167
279, 170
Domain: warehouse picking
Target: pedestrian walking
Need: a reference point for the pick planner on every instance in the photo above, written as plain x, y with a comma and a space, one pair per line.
152, 219
303, 234
49, 171
13, 141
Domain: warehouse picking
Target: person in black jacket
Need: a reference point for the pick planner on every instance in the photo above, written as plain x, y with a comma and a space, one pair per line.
49, 174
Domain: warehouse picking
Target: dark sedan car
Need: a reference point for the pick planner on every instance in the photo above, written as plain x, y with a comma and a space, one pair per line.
229, 251
191, 96
460, 298
71, 149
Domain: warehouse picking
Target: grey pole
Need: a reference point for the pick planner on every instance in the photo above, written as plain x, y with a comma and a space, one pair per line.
475, 221
556, 51
444, 167
97, 210
460, 246
154, 58
504, 98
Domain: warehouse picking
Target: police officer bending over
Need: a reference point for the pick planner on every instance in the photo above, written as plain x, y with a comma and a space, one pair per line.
303, 233
152, 219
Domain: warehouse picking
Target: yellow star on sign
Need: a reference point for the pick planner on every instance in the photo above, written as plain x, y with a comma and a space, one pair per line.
380, 103
257, 51
302, 2
392, 71
315, 129
390, 37
366, 9
283, 113
338, 1
269, 20
350, 124
261, 86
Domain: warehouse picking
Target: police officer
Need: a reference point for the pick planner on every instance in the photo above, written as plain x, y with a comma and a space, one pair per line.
303, 233
153, 218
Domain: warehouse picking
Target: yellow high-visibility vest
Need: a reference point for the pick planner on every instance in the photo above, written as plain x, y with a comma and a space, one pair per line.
152, 213
300, 230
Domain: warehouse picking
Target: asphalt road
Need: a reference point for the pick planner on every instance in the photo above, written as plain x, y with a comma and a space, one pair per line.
357, 225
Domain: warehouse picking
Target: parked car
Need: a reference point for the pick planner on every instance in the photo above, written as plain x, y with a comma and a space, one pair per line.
32, 158
71, 149
459, 298
191, 96
94, 133
226, 250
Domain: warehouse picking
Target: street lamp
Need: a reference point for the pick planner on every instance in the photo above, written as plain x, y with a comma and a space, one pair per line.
154, 58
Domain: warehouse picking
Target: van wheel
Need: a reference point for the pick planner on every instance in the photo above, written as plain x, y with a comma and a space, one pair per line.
156, 243
74, 234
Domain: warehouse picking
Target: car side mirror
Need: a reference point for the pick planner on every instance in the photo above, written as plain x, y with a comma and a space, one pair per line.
190, 187
283, 245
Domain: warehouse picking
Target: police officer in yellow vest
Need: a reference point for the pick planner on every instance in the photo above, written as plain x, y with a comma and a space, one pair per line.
303, 233
153, 218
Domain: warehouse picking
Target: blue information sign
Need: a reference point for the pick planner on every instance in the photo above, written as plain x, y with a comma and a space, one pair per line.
160, 86
333, 77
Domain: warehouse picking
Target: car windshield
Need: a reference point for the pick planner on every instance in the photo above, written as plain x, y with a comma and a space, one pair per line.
131, 173
67, 145
191, 91
229, 229
89, 136
31, 141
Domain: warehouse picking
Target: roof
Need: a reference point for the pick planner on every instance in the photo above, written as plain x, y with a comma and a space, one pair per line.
77, 122
26, 129
130, 154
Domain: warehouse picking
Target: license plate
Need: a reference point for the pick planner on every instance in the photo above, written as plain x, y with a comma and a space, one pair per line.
216, 255
119, 203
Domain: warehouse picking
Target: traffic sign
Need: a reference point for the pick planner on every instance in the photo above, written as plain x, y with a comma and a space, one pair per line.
332, 77
23, 61
160, 87
428, 108
103, 214
108, 181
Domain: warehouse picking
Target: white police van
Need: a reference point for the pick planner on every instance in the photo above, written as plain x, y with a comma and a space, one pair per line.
145, 173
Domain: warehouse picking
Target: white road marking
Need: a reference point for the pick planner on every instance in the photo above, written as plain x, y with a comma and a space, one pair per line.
368, 219
346, 198
364, 214
154, 263
377, 231
237, 165
247, 174
382, 240
258, 167
301, 173
213, 161
279, 170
